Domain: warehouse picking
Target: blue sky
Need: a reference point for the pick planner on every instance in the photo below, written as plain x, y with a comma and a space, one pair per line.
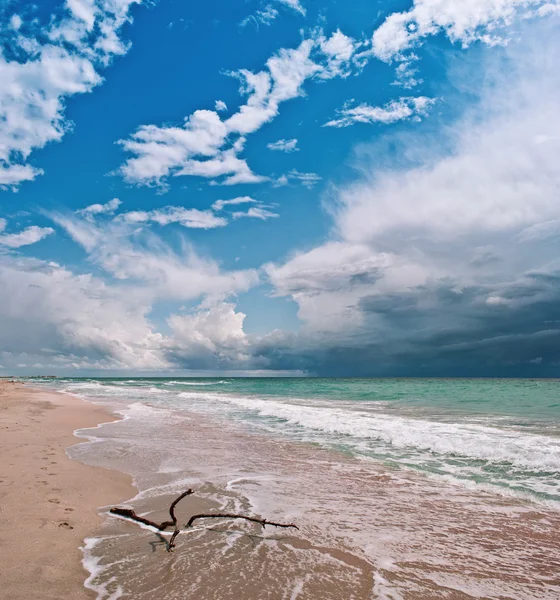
280, 187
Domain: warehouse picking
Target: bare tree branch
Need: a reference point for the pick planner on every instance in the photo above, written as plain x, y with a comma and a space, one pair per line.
262, 522
128, 513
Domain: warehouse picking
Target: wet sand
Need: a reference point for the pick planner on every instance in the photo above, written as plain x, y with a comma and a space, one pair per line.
48, 502
366, 531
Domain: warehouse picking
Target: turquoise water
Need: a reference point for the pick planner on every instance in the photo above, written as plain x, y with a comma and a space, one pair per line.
499, 435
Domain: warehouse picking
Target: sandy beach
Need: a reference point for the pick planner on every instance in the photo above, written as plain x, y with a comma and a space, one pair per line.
365, 530
48, 503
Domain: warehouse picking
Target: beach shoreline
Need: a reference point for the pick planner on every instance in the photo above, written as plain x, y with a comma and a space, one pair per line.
366, 530
48, 502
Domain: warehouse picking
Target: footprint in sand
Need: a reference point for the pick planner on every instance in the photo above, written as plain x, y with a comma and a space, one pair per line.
54, 501
68, 510
65, 525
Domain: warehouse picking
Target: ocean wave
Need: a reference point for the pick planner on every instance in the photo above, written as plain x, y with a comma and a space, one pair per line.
85, 385
197, 383
479, 442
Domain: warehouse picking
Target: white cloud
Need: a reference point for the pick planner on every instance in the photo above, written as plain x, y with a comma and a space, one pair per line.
406, 73
260, 211
294, 4
13, 175
220, 106
68, 322
396, 110
329, 281
339, 50
187, 217
74, 321
463, 22
284, 146
108, 208
219, 204
207, 146
215, 334
3, 224
499, 162
143, 259
476, 207
15, 22
28, 236
62, 61
309, 180
261, 17
256, 213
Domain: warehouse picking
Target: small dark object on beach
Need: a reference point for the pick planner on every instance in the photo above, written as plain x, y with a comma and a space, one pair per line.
128, 513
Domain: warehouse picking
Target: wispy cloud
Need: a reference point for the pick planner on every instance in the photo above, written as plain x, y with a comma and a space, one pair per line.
191, 218
143, 258
396, 110
284, 146
309, 180
265, 16
256, 212
220, 204
28, 236
295, 5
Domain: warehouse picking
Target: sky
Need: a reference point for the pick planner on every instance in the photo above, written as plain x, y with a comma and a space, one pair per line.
280, 187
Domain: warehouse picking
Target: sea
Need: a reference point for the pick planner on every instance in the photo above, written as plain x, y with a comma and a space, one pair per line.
401, 488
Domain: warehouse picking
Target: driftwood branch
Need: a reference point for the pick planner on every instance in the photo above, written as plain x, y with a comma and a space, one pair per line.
262, 522
128, 513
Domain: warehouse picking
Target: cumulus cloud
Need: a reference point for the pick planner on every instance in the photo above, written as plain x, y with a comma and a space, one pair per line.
207, 146
212, 336
442, 251
108, 208
54, 63
73, 321
28, 236
396, 110
284, 146
69, 322
220, 106
462, 22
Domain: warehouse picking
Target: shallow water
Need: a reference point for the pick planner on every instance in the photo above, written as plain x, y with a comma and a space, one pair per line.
498, 434
396, 497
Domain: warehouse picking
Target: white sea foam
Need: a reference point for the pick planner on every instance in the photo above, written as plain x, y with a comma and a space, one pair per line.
196, 383
92, 564
479, 442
